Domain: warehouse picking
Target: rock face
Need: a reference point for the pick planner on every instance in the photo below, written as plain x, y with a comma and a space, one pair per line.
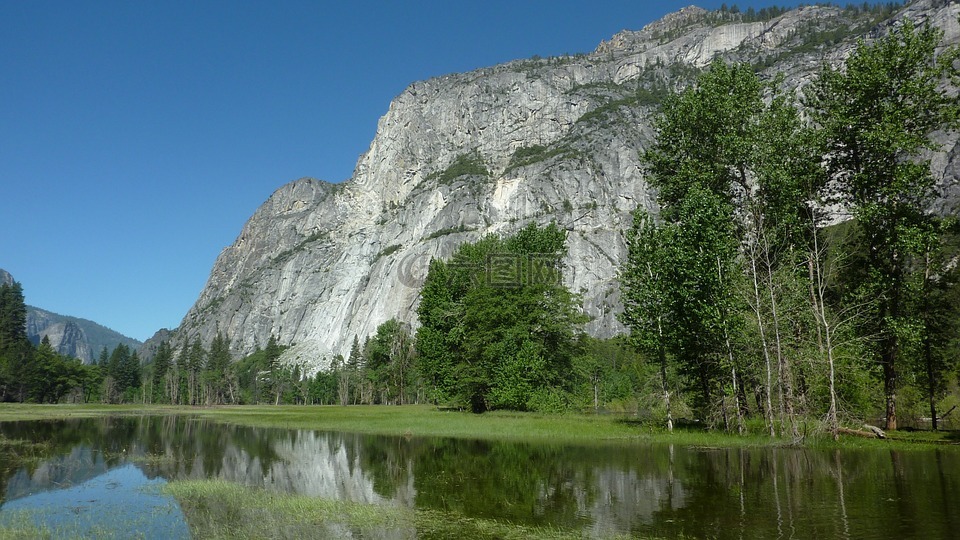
67, 338
72, 336
460, 156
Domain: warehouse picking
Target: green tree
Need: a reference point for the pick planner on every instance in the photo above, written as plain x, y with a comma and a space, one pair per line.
218, 374
193, 366
705, 162
935, 299
498, 330
645, 298
390, 356
877, 114
271, 359
15, 348
162, 363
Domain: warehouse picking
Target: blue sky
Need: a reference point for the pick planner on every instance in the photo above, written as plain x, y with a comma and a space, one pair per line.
137, 137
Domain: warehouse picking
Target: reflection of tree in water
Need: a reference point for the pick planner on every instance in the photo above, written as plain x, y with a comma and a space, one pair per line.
524, 483
388, 461
772, 492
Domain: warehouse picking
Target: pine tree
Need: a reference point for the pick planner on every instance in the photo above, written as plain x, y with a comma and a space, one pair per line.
15, 348
162, 363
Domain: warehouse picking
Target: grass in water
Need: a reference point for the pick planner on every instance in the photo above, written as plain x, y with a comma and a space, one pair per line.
220, 510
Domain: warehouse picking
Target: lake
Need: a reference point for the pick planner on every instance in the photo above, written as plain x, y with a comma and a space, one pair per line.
95, 468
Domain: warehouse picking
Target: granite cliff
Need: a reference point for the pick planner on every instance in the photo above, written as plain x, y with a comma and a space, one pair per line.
488, 151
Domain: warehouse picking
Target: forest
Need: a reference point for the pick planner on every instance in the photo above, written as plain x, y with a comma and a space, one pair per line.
794, 277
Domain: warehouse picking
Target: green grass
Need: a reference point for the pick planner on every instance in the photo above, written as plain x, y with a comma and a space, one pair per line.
429, 421
216, 509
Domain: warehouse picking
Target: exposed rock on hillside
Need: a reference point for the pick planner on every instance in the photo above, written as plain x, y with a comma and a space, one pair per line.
488, 151
71, 336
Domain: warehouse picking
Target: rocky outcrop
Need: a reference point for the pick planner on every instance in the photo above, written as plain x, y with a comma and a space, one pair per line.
66, 338
73, 336
460, 156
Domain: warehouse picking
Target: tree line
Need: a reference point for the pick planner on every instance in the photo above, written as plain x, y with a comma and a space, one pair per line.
739, 287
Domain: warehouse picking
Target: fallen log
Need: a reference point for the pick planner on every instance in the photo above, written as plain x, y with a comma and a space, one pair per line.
873, 432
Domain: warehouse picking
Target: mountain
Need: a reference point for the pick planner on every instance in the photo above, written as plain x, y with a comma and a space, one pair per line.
460, 156
71, 336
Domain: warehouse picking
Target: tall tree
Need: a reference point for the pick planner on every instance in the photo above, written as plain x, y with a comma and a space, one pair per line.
195, 360
709, 155
217, 373
645, 297
162, 362
278, 375
878, 113
15, 348
935, 298
498, 329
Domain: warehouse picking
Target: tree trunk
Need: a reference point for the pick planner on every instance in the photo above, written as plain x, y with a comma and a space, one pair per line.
666, 389
768, 405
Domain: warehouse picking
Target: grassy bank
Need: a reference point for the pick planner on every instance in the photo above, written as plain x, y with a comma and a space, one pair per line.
428, 421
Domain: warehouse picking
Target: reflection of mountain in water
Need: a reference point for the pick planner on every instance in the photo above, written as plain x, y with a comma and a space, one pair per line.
318, 464
75, 467
119, 503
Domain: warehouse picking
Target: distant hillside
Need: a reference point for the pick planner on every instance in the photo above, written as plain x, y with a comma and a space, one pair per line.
72, 336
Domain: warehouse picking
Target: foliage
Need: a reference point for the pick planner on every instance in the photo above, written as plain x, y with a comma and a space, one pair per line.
468, 164
447, 231
389, 363
876, 116
387, 251
495, 321
785, 313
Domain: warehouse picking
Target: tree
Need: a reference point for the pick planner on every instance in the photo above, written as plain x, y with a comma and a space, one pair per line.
644, 297
218, 374
498, 330
935, 298
877, 114
350, 373
389, 358
15, 348
123, 378
194, 361
700, 299
271, 355
162, 362
707, 164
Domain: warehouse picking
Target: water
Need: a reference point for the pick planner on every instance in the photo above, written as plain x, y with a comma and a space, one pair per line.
649, 490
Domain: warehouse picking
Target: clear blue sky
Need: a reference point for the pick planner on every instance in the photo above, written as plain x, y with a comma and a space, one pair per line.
137, 137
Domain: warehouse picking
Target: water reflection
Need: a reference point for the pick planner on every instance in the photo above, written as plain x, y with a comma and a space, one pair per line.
600, 489
119, 503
